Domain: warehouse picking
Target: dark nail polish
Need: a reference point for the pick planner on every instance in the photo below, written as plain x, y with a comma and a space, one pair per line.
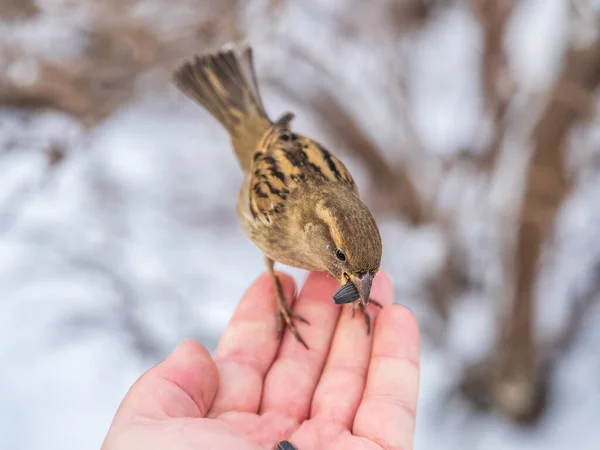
286, 445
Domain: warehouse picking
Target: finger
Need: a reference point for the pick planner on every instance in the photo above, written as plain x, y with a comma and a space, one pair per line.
248, 346
341, 386
182, 385
386, 414
292, 379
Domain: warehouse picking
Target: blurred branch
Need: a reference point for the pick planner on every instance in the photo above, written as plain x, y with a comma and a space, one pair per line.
119, 48
412, 13
17, 9
517, 384
89, 88
498, 85
494, 16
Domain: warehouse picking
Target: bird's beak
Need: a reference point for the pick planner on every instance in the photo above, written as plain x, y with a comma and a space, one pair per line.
363, 286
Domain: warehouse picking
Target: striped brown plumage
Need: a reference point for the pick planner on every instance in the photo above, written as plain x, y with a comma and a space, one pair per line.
285, 162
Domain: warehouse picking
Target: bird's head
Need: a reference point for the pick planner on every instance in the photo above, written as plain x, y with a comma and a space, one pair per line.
345, 239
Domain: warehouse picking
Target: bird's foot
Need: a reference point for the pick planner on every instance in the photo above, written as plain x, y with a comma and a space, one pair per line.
363, 309
286, 316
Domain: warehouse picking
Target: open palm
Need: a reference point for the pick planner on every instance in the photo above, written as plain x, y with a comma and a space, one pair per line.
348, 391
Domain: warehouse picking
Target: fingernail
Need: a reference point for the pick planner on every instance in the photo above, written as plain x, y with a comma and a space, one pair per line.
286, 445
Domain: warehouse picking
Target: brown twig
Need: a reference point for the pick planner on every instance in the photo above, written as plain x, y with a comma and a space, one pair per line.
17, 9
120, 48
497, 82
517, 381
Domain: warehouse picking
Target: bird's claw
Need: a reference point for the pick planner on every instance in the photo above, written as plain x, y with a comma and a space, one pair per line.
285, 315
363, 308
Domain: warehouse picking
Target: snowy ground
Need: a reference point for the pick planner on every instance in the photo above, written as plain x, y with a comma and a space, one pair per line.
121, 254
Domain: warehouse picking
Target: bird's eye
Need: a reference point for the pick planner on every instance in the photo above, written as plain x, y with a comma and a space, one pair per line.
339, 253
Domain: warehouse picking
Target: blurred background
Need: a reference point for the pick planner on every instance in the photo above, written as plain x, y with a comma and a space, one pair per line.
470, 126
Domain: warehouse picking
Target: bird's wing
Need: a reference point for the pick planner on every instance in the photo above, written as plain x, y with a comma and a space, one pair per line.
284, 162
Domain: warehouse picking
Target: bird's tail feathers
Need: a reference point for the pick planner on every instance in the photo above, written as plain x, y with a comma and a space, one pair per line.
224, 83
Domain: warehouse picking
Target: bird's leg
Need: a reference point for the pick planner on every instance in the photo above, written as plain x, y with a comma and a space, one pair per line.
363, 309
285, 314
354, 306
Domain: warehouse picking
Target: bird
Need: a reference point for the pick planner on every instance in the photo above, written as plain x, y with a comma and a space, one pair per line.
298, 203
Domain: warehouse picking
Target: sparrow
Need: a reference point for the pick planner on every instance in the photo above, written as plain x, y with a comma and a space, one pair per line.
298, 203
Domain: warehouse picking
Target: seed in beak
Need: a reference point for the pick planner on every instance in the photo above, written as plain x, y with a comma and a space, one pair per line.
346, 294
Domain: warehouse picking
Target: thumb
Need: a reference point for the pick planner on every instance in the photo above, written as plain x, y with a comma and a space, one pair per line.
182, 385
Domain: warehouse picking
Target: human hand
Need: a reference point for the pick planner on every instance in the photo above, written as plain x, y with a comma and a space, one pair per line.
349, 391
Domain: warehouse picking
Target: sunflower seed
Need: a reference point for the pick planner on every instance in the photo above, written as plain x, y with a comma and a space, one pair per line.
346, 294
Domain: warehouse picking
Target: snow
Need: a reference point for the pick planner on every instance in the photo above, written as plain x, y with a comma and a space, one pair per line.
536, 40
447, 46
120, 253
